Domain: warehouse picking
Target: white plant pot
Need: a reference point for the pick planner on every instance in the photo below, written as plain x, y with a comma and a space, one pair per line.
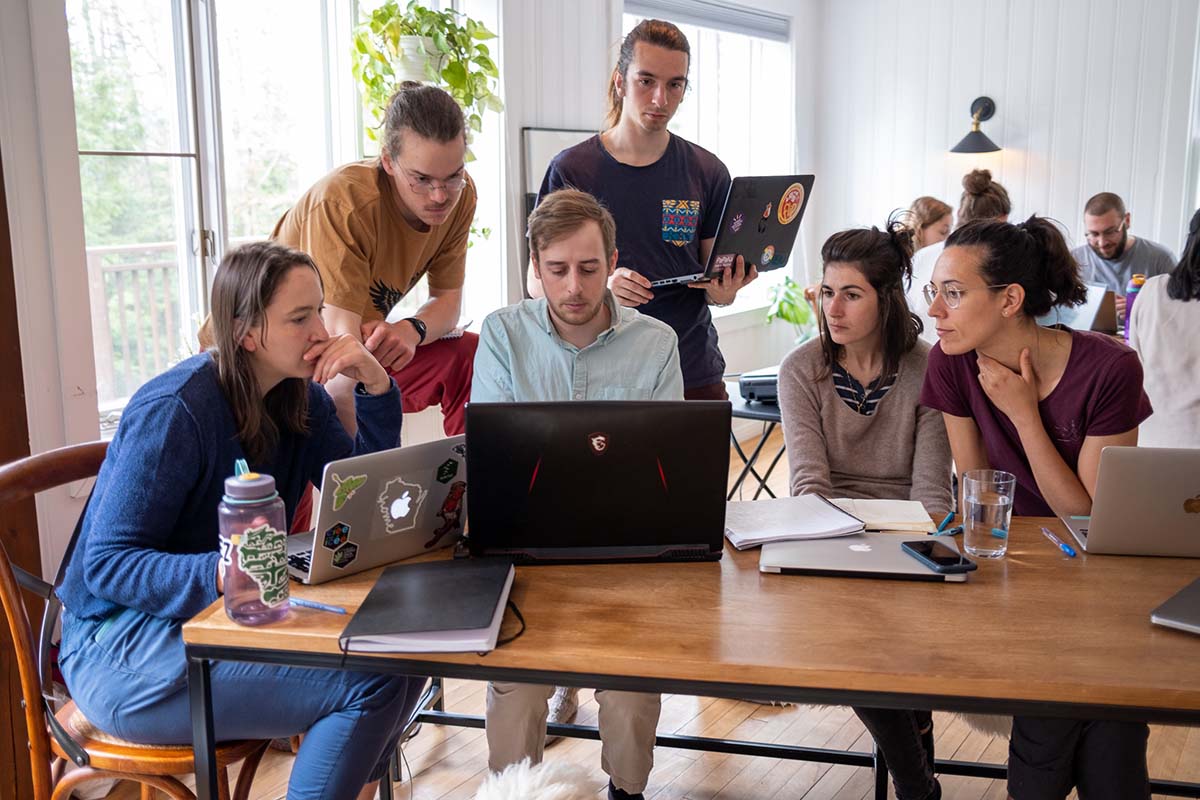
415, 53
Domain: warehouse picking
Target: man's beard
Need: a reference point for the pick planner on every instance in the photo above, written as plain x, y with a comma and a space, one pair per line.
1120, 249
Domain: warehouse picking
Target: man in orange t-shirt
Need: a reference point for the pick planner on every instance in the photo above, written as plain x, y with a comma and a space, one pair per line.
374, 229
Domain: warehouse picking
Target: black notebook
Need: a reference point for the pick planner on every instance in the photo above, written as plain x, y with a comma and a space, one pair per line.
432, 607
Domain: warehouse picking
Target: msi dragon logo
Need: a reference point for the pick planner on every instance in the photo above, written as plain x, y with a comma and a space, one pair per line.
598, 442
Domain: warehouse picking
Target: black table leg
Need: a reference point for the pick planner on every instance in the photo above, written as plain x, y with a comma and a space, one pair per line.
749, 468
203, 740
881, 775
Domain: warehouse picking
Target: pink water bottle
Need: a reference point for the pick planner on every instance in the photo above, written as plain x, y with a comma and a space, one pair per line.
253, 549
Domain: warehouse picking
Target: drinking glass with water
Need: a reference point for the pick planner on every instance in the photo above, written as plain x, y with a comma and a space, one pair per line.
987, 511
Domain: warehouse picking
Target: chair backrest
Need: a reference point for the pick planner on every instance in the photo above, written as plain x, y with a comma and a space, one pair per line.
19, 480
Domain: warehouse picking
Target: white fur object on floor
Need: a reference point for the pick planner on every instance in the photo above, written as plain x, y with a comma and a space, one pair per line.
550, 780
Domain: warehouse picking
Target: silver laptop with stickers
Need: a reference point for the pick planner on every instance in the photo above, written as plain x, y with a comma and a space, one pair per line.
383, 507
1147, 503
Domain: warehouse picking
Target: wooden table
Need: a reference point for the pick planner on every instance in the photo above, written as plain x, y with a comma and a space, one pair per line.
1034, 633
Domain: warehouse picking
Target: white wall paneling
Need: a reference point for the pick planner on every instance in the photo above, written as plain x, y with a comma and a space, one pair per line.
1091, 95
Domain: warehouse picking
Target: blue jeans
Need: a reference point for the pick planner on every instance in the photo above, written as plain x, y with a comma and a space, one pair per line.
128, 675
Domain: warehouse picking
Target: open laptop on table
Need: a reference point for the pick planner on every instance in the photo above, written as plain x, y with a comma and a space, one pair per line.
859, 555
759, 223
382, 507
1147, 504
598, 481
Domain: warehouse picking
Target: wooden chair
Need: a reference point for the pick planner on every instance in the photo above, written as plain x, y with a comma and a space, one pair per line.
56, 737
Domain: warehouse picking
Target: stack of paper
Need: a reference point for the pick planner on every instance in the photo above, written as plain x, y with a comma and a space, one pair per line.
753, 522
888, 515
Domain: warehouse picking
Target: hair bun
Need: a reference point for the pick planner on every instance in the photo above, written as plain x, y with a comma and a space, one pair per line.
977, 181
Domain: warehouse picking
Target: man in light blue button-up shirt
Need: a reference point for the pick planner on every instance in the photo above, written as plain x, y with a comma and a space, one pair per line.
576, 343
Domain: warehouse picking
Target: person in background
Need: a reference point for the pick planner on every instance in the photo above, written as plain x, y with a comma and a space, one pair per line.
1040, 403
854, 428
930, 221
1165, 332
982, 198
1113, 255
147, 557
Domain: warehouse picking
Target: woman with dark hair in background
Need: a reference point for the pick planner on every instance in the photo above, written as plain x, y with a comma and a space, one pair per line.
854, 428
930, 221
982, 199
147, 558
1040, 403
1165, 332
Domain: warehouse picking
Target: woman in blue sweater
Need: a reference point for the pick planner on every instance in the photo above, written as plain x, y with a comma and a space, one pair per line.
147, 556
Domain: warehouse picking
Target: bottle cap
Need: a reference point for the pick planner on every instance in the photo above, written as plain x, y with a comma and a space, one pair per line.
249, 487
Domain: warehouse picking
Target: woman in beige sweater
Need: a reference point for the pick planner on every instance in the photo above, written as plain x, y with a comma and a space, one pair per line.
854, 428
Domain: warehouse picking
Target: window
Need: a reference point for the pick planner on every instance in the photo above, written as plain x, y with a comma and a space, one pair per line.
738, 105
191, 143
142, 198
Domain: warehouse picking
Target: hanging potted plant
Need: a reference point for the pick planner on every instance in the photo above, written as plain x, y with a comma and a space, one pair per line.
394, 44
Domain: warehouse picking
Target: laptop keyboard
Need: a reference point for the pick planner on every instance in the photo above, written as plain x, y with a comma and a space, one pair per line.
301, 561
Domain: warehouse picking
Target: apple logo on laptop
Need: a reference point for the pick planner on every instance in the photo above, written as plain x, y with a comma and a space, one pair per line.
400, 506
861, 548
1192, 505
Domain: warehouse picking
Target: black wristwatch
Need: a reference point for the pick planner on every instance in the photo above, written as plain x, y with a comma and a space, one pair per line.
420, 326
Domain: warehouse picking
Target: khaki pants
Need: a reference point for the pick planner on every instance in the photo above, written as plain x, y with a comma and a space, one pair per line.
516, 729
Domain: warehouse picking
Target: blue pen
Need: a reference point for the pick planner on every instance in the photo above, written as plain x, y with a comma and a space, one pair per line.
313, 604
945, 522
1059, 543
957, 529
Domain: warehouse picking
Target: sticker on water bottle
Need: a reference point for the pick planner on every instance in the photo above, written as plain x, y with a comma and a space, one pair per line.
262, 555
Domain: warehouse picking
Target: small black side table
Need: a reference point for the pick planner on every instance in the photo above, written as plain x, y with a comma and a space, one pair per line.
762, 412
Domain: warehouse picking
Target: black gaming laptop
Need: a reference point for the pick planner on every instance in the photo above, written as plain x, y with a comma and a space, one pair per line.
598, 481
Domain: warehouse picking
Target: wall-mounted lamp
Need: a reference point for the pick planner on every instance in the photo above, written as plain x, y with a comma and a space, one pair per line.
976, 142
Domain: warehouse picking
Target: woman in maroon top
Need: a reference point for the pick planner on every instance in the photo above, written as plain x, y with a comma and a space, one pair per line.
1040, 403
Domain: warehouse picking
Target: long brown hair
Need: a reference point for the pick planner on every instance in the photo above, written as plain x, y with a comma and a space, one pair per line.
923, 212
242, 289
884, 257
657, 32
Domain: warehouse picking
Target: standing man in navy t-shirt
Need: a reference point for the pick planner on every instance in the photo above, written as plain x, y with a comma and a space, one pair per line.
666, 195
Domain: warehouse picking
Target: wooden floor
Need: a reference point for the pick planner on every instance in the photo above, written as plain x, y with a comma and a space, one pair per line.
445, 763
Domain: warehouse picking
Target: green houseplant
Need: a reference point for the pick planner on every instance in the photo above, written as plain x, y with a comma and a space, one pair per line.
396, 43
789, 304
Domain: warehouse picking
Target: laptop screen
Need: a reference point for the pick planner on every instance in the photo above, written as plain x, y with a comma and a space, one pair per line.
607, 475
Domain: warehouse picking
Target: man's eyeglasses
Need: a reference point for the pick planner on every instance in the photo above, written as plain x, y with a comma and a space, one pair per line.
1107, 233
424, 185
951, 294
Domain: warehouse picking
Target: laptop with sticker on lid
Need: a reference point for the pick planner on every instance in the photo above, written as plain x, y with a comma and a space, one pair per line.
382, 507
759, 222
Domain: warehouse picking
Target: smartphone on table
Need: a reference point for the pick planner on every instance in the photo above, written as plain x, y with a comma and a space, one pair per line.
938, 556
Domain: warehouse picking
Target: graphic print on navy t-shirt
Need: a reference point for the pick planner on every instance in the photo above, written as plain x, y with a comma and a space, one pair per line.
680, 219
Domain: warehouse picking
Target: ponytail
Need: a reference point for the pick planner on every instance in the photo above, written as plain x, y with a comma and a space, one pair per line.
1033, 254
884, 257
651, 31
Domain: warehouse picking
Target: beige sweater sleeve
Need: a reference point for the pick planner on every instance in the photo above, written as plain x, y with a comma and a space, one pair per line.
800, 407
931, 464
